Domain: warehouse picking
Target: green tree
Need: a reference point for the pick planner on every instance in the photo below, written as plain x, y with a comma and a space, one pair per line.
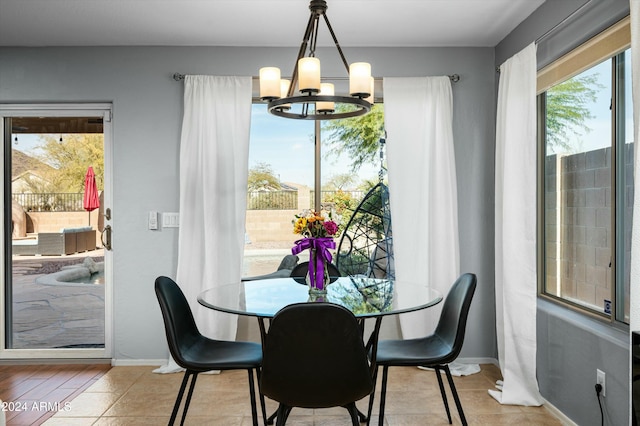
358, 137
70, 159
262, 177
567, 115
339, 182
568, 110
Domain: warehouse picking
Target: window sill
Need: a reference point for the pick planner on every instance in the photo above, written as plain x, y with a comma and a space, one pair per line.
614, 331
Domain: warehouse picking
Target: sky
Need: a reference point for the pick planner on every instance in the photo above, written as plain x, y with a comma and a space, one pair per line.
599, 135
287, 145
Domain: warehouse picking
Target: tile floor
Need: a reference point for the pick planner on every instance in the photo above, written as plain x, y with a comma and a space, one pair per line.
136, 396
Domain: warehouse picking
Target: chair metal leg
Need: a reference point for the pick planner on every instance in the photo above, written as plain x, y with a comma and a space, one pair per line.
272, 418
383, 394
353, 412
194, 376
252, 392
442, 392
287, 412
282, 414
262, 404
370, 409
455, 395
176, 406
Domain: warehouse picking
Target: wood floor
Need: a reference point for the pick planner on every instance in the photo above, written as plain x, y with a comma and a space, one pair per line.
97, 395
33, 393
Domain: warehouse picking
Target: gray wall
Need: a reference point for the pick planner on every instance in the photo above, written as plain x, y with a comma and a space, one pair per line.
571, 345
147, 111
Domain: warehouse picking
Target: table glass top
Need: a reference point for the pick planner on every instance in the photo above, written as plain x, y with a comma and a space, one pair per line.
365, 297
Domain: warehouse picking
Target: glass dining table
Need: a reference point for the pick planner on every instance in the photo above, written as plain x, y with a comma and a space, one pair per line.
365, 297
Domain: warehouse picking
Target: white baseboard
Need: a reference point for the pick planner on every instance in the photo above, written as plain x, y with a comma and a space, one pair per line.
492, 361
566, 421
159, 362
138, 362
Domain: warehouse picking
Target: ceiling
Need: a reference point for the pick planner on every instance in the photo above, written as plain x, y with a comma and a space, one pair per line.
380, 23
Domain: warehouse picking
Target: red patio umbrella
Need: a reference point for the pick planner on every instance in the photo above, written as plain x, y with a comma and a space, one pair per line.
91, 200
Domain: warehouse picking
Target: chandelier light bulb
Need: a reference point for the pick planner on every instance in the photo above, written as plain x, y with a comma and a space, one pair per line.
309, 74
372, 85
326, 89
359, 79
269, 83
284, 91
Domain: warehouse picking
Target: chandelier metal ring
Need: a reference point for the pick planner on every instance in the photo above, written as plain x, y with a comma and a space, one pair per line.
275, 107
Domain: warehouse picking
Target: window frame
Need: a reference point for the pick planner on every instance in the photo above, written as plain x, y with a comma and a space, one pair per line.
609, 45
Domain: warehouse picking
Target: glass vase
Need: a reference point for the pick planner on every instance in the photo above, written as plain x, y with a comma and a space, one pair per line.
317, 287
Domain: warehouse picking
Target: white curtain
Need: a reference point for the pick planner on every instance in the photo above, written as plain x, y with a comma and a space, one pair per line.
635, 232
214, 149
515, 234
214, 156
423, 189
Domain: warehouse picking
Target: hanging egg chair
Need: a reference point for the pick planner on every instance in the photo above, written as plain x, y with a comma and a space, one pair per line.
366, 246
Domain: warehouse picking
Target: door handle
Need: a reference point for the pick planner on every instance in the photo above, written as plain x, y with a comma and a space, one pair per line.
105, 237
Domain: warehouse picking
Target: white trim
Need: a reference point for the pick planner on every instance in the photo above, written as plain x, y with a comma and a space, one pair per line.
104, 110
566, 421
57, 361
492, 361
61, 353
138, 362
60, 109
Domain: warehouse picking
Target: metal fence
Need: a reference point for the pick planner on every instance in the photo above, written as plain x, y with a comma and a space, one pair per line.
337, 196
272, 200
256, 200
288, 200
50, 202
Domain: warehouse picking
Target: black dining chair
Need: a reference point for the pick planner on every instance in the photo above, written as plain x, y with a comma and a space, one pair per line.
314, 357
434, 351
197, 353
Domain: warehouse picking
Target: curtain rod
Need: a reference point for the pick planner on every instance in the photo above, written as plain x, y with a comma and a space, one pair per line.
559, 25
563, 22
454, 78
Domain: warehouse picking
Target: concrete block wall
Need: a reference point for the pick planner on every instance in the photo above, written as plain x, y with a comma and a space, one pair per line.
275, 226
578, 224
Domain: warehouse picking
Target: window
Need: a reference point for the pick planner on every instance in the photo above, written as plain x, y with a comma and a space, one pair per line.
282, 158
586, 179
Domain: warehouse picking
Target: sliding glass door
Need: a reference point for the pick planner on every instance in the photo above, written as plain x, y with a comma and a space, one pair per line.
56, 293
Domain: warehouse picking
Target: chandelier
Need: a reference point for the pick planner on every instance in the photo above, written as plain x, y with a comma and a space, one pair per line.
317, 100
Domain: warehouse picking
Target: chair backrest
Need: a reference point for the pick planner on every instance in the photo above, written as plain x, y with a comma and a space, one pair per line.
314, 357
179, 325
453, 318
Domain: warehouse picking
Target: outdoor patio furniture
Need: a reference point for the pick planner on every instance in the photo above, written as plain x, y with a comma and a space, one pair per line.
26, 246
67, 241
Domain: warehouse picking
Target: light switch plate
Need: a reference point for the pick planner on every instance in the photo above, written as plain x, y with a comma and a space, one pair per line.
170, 220
153, 220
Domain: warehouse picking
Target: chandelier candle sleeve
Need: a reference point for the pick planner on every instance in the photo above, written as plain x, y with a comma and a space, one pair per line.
326, 89
372, 85
360, 79
284, 91
269, 82
309, 71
